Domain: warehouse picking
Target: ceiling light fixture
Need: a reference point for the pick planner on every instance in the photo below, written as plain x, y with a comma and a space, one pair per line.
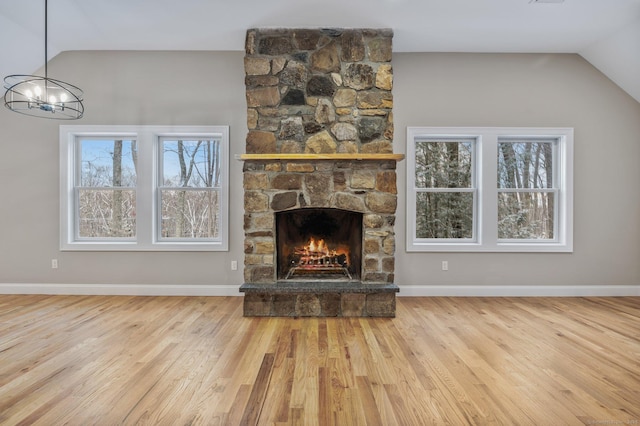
43, 96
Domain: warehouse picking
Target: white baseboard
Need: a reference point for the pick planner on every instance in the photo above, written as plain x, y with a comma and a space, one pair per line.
122, 289
519, 291
405, 290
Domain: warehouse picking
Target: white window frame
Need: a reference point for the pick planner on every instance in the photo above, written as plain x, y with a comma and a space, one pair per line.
473, 189
147, 214
486, 169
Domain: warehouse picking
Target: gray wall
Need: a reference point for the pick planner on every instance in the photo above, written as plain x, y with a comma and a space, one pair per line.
163, 88
532, 91
207, 88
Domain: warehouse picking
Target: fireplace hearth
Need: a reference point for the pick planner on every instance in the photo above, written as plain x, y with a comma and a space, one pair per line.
319, 173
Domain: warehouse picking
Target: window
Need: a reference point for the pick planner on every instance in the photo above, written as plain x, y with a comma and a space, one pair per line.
527, 189
105, 188
189, 192
489, 189
144, 188
445, 187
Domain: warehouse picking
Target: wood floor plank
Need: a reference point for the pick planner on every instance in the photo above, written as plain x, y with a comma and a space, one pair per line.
127, 360
369, 406
258, 392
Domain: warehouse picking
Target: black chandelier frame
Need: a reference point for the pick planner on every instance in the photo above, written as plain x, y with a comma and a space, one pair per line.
43, 97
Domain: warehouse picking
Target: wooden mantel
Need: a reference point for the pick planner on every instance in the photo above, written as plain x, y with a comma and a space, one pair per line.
316, 157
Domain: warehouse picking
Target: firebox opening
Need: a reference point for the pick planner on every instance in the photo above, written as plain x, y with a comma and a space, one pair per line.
319, 244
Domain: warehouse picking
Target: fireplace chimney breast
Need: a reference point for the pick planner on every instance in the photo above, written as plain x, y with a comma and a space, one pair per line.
320, 121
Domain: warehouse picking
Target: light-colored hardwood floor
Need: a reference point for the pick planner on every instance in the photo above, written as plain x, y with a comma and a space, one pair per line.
84, 360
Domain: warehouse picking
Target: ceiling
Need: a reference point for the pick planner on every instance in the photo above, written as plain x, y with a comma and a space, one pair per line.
605, 32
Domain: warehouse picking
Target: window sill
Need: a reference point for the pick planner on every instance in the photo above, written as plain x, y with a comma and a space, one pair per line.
497, 248
132, 246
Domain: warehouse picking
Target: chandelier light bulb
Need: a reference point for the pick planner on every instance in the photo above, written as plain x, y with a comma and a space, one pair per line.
63, 97
38, 91
52, 99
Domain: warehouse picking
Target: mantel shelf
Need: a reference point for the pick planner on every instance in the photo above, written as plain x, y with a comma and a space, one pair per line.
317, 157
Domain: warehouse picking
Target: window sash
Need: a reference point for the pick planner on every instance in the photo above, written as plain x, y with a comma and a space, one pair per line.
460, 141
474, 209
214, 165
552, 188
553, 142
472, 188
78, 219
555, 217
187, 216
79, 160
197, 217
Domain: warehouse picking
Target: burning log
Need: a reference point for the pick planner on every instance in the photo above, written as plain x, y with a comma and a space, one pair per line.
318, 257
338, 261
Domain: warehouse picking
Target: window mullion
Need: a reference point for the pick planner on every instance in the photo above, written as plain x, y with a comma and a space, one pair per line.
144, 190
488, 190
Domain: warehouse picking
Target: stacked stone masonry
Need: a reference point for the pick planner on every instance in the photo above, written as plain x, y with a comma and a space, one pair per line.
319, 91
368, 187
316, 304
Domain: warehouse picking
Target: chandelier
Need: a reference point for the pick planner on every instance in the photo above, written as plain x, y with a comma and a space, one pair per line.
43, 96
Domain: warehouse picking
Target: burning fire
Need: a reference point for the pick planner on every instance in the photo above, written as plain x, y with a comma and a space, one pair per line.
317, 253
317, 247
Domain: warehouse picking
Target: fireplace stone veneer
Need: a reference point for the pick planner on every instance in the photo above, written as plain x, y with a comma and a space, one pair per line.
320, 137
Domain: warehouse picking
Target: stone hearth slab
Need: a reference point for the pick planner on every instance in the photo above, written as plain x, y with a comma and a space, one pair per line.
320, 299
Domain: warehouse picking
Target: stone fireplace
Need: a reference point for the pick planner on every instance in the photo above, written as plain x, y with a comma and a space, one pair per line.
319, 173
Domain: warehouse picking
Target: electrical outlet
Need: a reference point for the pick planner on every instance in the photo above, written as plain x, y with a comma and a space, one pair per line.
445, 265
234, 265
54, 263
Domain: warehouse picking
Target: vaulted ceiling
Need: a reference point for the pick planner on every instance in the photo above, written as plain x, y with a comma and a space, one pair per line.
604, 32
